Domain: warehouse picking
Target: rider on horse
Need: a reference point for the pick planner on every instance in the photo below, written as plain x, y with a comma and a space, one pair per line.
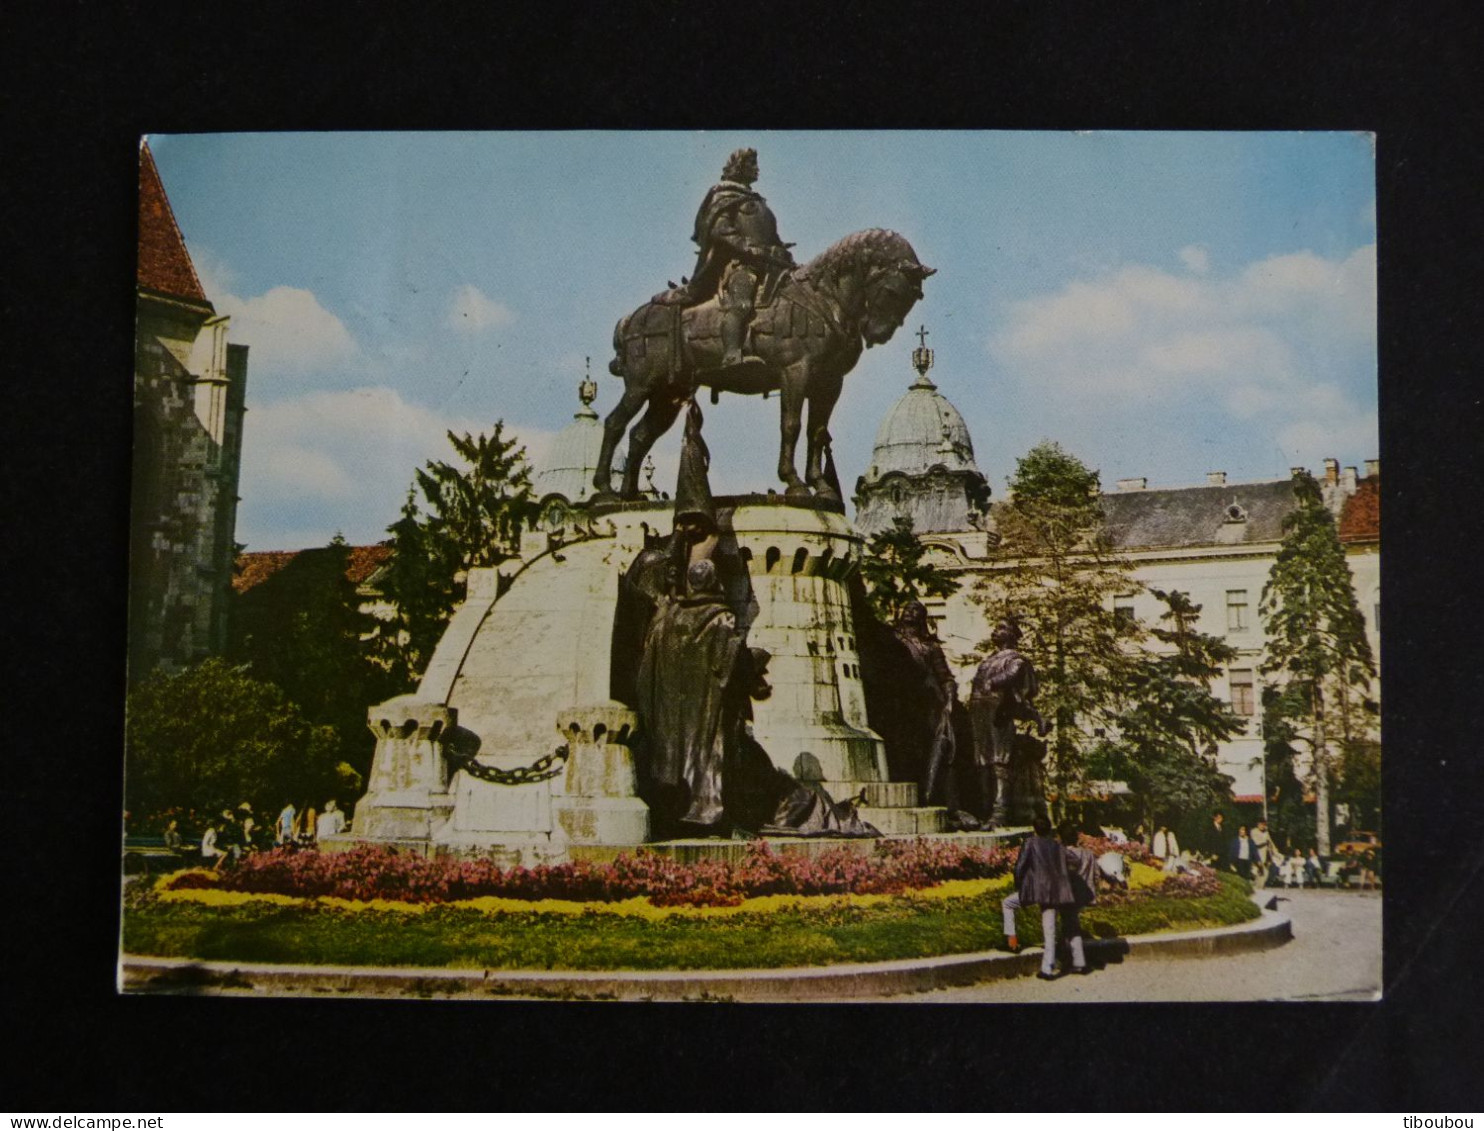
739, 249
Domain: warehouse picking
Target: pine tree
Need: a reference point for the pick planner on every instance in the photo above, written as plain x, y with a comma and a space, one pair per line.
1059, 581
1317, 647
475, 513
896, 574
1169, 723
419, 584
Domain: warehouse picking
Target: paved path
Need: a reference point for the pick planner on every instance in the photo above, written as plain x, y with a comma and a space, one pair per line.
1335, 955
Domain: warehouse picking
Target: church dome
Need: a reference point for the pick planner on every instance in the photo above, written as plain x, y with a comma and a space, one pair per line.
922, 431
922, 467
573, 458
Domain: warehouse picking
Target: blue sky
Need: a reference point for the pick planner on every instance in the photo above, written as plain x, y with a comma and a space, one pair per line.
1163, 304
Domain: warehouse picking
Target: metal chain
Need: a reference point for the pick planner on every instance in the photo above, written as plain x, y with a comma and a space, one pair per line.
542, 769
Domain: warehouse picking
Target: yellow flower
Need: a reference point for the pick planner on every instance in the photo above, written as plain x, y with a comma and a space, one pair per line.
637, 907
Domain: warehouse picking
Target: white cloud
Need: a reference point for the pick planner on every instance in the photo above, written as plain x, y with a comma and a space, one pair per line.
328, 461
1282, 348
473, 311
286, 329
1196, 257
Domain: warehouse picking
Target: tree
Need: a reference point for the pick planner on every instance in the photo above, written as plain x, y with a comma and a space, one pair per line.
896, 574
213, 736
477, 512
1059, 580
1168, 724
419, 582
303, 630
474, 518
1317, 647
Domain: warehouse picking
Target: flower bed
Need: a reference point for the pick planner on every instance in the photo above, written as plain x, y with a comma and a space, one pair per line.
370, 873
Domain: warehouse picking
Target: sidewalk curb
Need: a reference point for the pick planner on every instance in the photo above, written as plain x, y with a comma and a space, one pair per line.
799, 984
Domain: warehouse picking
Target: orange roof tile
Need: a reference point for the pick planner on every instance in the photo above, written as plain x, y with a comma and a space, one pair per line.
1360, 520
164, 263
258, 566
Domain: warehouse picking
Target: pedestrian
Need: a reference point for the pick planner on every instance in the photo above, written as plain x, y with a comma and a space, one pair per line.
1268, 856
283, 832
1216, 843
331, 821
1041, 879
1082, 872
308, 822
1313, 868
210, 852
1243, 853
172, 835
249, 826
1165, 845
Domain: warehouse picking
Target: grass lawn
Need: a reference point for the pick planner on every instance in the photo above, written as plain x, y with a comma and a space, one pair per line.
837, 931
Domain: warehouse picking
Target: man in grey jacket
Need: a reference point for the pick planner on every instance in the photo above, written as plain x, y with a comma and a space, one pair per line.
1041, 878
1082, 871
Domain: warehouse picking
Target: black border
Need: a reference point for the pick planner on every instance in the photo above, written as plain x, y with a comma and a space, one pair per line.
82, 84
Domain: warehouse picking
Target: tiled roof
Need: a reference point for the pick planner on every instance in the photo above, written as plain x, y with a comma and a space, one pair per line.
164, 263
1360, 521
1198, 516
257, 567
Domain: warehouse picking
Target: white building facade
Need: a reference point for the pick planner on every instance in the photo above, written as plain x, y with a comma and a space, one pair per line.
1215, 541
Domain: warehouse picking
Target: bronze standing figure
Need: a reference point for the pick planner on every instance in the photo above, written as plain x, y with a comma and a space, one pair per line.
1003, 693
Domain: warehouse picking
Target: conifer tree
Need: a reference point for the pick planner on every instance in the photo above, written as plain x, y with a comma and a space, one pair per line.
420, 586
1317, 648
1059, 580
475, 512
896, 573
1169, 722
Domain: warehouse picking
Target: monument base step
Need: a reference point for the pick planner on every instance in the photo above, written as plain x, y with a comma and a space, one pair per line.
879, 794
694, 851
917, 820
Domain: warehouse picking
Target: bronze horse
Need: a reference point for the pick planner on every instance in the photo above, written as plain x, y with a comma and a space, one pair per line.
808, 337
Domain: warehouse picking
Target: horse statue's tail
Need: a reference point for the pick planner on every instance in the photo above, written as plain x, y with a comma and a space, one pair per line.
616, 366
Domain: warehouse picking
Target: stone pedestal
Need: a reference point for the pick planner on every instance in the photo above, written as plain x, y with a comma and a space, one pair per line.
799, 560
600, 805
407, 796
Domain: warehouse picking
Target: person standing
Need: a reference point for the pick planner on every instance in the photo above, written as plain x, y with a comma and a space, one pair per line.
210, 853
1041, 879
1217, 845
1243, 853
331, 821
1268, 856
1082, 872
284, 832
1165, 845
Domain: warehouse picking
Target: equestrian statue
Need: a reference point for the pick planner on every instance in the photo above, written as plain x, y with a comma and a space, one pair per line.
751, 321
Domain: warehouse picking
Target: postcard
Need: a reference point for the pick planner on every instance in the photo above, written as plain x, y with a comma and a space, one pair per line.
772, 566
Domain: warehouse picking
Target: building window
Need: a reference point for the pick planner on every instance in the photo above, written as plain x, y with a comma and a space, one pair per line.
1236, 610
1244, 699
